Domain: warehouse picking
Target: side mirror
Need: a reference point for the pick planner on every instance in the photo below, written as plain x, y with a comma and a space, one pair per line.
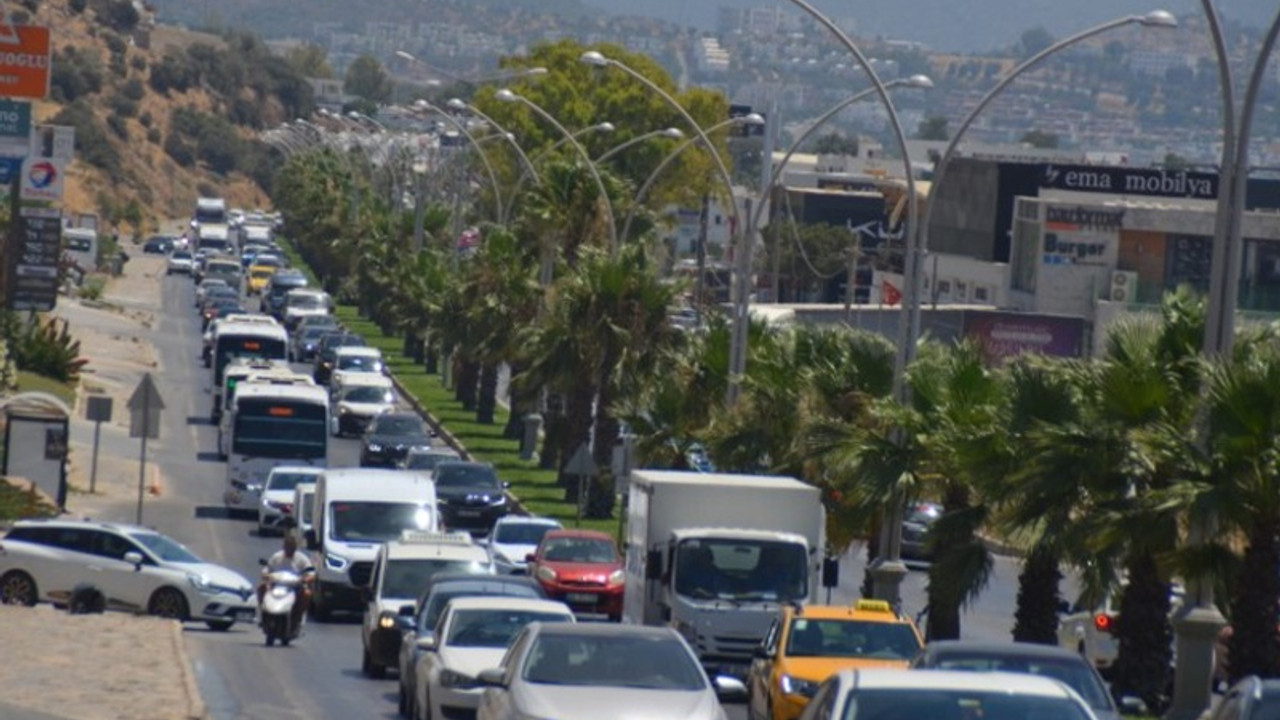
408, 610
730, 689
761, 652
427, 643
653, 565
312, 542
493, 677
134, 558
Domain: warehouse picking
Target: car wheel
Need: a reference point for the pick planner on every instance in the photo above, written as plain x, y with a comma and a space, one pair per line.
18, 588
219, 625
168, 603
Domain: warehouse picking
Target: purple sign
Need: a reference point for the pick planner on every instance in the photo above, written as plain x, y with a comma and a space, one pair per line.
1003, 335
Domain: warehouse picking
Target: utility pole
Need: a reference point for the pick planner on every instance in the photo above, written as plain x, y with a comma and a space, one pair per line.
701, 288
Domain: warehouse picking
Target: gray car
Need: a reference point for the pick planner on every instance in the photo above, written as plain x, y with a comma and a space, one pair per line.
1048, 661
589, 671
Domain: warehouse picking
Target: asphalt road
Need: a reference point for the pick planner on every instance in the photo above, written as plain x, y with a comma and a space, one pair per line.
319, 676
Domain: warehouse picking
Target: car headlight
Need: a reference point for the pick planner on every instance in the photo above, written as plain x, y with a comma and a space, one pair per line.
451, 679
375, 447
335, 562
795, 686
546, 574
343, 409
496, 500
199, 582
387, 621
617, 577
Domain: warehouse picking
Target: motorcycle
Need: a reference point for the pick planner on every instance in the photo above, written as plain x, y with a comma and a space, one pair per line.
276, 612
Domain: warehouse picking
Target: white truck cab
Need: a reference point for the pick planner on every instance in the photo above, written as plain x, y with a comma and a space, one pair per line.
401, 571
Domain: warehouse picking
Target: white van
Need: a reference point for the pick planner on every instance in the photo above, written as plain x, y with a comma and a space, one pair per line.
356, 510
304, 507
82, 246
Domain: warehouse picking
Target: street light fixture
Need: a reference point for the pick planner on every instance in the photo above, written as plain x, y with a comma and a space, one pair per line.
423, 105
463, 106
506, 95
601, 127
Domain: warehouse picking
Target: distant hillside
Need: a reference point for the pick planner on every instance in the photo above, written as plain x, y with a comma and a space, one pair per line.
953, 25
161, 116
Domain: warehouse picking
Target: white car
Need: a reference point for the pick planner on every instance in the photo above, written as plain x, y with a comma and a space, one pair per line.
277, 502
181, 261
880, 693
352, 360
514, 538
305, 302
360, 400
135, 568
474, 633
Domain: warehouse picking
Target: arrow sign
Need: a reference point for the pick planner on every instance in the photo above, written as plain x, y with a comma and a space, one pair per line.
144, 409
581, 463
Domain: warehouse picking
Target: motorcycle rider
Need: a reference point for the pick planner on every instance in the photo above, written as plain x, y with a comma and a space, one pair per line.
290, 558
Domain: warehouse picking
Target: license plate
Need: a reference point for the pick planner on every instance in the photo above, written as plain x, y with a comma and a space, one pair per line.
580, 597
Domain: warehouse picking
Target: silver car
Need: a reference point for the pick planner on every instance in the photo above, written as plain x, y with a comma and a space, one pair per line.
589, 671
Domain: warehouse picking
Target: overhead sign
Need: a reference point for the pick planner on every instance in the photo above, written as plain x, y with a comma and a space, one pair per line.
24, 61
42, 180
57, 142
34, 267
15, 128
1131, 181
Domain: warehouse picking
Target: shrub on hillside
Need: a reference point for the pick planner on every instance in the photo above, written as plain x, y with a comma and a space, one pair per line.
92, 143
75, 73
119, 15
119, 126
123, 106
153, 136
145, 119
173, 73
138, 62
178, 149
78, 6
133, 89
32, 5
215, 140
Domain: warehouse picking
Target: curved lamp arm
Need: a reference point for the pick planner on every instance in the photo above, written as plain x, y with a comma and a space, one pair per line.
506, 95
457, 104
524, 172
493, 177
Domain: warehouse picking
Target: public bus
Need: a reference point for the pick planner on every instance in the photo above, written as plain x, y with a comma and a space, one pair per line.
243, 370
247, 340
273, 424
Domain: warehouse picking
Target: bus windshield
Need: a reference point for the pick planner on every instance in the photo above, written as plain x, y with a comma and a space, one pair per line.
250, 346
279, 428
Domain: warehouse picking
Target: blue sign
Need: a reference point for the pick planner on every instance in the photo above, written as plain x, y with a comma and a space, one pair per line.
9, 168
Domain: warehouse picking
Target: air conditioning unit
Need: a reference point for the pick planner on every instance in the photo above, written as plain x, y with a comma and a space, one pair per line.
1124, 286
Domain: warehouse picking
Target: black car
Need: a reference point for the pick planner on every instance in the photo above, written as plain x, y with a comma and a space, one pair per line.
470, 495
1065, 666
916, 524
158, 245
221, 308
389, 437
1250, 699
440, 590
277, 287
305, 344
325, 349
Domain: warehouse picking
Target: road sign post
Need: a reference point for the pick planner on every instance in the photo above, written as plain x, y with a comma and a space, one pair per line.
144, 422
98, 409
584, 467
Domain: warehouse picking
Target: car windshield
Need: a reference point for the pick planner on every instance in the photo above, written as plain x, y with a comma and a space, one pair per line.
368, 394
359, 362
407, 578
181, 255
518, 533
872, 704
397, 425
851, 638
459, 475
579, 550
208, 283
494, 628
377, 521
1073, 673
741, 570
288, 480
440, 597
261, 273
311, 334
165, 548
320, 321
623, 661
427, 460
306, 302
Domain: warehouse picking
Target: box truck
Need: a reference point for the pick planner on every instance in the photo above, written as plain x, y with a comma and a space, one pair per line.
715, 555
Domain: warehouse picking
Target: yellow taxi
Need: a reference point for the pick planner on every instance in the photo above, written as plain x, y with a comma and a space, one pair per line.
808, 645
259, 276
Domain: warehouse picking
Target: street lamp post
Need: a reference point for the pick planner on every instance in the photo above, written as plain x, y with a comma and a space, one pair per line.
602, 127
458, 104
506, 95
419, 209
423, 105
1155, 18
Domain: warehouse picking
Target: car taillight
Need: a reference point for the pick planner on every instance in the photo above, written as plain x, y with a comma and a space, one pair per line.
1103, 622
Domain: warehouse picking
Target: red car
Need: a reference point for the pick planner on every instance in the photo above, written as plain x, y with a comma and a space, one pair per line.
582, 569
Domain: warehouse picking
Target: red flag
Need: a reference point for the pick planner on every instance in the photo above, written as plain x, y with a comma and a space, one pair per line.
889, 294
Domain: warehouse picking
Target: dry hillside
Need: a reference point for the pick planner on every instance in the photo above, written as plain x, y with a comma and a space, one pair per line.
139, 170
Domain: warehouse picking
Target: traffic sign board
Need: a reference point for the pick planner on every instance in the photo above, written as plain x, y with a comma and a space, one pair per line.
33, 266
581, 463
24, 61
144, 409
15, 128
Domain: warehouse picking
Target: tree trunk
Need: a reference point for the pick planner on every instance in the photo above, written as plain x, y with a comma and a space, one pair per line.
431, 364
487, 402
600, 502
553, 429
522, 403
1036, 618
953, 547
1145, 637
410, 340
577, 433
1254, 648
868, 589
468, 380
